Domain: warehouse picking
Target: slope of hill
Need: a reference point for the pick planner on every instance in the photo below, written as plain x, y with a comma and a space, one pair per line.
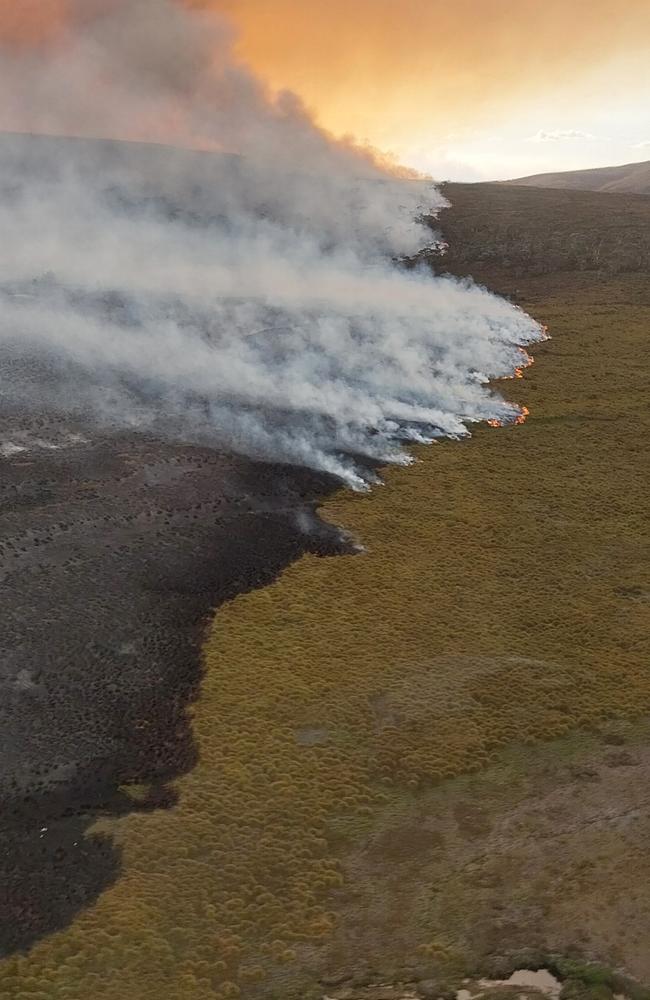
453, 727
532, 231
631, 178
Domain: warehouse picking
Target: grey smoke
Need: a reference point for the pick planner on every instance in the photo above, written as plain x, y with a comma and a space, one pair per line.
247, 298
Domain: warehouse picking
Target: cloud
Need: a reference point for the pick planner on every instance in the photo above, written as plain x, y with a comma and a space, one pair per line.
557, 135
645, 144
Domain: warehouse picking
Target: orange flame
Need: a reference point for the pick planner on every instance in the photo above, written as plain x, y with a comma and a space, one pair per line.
524, 412
526, 362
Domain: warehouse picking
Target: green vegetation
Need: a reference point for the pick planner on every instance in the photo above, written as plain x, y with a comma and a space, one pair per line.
502, 602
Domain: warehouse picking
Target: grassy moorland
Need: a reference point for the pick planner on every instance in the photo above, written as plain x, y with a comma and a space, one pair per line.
628, 178
430, 759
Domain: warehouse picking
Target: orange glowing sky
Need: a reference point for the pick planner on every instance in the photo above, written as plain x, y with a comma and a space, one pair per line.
480, 81
30, 21
475, 88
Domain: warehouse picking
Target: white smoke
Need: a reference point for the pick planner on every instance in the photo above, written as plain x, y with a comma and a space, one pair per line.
248, 299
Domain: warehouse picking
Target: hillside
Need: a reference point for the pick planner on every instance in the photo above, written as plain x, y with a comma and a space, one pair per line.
630, 178
525, 232
451, 726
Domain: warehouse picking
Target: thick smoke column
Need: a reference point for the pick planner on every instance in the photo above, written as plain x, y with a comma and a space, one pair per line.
246, 298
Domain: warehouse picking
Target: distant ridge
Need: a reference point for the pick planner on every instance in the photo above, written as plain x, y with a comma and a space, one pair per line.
631, 178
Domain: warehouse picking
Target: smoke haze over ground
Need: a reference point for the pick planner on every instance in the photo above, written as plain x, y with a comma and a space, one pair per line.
246, 297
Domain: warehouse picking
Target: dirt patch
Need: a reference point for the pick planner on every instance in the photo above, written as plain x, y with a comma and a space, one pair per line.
558, 864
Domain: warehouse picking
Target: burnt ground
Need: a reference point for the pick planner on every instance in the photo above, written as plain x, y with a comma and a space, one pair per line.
113, 552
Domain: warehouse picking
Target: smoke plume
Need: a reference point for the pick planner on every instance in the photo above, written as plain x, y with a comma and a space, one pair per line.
246, 297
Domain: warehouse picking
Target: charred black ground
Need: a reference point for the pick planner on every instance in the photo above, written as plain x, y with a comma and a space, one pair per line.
113, 553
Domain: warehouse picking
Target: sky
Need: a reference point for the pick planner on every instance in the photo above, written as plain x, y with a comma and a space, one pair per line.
469, 90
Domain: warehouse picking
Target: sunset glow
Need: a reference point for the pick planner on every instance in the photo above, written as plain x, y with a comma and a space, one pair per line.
463, 89
472, 90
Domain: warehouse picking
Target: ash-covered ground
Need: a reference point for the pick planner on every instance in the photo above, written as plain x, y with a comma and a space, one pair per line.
113, 551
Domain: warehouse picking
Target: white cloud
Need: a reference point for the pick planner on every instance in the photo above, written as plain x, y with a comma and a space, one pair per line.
558, 134
642, 145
